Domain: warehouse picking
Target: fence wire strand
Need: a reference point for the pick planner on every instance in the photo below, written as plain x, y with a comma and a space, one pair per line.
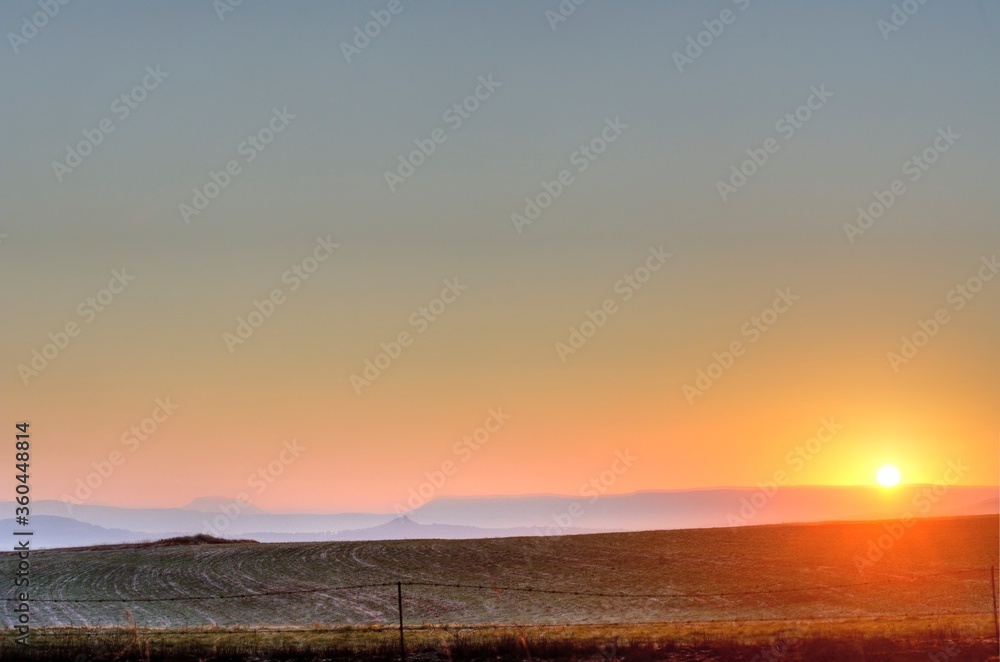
495, 588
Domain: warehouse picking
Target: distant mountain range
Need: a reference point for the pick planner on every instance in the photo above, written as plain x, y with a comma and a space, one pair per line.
51, 531
58, 524
404, 528
694, 509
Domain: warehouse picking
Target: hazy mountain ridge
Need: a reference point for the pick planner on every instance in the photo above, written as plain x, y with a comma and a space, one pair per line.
53, 531
61, 524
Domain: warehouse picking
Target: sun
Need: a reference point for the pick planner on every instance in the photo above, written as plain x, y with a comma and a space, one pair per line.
887, 476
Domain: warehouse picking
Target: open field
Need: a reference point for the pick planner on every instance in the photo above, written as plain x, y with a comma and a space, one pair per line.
701, 590
765, 572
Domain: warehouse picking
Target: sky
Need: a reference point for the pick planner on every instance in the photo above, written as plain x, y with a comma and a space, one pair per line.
248, 249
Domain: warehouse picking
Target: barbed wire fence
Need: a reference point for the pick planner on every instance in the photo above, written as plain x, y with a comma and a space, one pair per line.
497, 589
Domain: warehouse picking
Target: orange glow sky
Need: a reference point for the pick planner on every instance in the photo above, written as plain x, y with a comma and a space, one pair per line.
496, 345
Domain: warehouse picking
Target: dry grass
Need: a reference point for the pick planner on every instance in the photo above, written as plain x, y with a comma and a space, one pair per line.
896, 638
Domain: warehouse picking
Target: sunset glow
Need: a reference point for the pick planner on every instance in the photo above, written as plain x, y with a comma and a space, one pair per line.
564, 268
887, 476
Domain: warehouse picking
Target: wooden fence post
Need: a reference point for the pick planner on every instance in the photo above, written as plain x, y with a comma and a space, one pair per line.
993, 592
399, 601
